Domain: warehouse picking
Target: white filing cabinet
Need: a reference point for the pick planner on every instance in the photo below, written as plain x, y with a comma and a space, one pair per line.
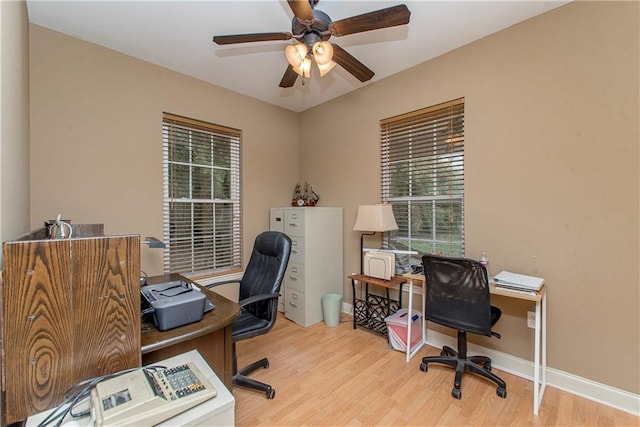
315, 264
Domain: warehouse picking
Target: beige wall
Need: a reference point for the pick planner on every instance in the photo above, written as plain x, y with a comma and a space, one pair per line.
14, 120
551, 172
552, 160
96, 139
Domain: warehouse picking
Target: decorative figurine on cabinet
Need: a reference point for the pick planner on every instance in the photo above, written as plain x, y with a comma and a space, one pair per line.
309, 198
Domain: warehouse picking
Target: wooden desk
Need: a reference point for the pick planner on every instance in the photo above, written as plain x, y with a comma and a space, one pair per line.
211, 336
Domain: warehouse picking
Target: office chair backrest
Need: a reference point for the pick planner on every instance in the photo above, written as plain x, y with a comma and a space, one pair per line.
265, 271
458, 293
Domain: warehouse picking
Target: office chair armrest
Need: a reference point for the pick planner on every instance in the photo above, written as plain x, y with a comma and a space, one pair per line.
256, 298
224, 282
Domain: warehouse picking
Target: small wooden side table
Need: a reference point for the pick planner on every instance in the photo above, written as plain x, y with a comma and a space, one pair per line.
371, 310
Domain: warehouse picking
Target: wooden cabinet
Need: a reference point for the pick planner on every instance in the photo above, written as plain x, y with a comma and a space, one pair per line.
315, 264
70, 311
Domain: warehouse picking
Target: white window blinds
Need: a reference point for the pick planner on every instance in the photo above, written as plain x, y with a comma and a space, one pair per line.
423, 179
202, 215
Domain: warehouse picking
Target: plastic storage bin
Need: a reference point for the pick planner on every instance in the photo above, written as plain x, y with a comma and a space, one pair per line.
397, 324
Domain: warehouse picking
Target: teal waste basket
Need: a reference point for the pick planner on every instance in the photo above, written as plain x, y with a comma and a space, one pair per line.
331, 306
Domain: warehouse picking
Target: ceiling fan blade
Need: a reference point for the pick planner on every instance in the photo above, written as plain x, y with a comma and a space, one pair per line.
247, 38
302, 9
289, 77
351, 64
384, 18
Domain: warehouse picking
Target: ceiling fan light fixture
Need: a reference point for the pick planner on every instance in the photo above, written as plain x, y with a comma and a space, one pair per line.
311, 29
304, 69
325, 68
322, 52
296, 54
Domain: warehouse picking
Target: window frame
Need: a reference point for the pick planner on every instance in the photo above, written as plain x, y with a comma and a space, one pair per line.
429, 143
192, 223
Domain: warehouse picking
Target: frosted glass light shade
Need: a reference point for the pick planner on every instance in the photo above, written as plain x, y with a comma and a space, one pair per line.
296, 54
304, 69
375, 218
324, 69
322, 52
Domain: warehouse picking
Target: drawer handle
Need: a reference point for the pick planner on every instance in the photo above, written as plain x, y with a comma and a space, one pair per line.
292, 304
293, 278
294, 251
293, 224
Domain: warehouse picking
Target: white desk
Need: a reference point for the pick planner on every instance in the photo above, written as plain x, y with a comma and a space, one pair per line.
218, 411
540, 331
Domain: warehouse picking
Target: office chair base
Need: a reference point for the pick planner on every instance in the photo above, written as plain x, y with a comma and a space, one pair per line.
480, 365
241, 380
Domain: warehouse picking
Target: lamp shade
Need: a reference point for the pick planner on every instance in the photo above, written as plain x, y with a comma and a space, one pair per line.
153, 242
324, 69
304, 69
375, 218
296, 54
322, 52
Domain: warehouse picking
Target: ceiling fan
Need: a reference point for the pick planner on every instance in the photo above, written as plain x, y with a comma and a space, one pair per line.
312, 28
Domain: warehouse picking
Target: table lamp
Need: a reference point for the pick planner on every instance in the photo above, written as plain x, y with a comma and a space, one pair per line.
153, 242
372, 219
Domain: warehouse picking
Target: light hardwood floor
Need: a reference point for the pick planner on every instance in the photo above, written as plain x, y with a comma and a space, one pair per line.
343, 377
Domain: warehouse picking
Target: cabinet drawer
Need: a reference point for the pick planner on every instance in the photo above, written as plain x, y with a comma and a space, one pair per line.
297, 250
294, 222
294, 279
294, 306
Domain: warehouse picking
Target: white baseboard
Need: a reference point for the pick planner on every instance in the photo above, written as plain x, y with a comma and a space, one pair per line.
601, 393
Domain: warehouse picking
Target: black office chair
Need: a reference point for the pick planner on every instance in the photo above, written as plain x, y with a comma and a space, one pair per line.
458, 297
258, 299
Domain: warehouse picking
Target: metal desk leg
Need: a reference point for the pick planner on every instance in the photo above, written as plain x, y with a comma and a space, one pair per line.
540, 357
544, 345
409, 322
353, 287
424, 313
410, 352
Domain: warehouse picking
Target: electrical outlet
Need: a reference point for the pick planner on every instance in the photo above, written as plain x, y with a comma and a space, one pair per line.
531, 319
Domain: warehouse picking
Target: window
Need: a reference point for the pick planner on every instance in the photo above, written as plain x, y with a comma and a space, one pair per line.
201, 196
423, 179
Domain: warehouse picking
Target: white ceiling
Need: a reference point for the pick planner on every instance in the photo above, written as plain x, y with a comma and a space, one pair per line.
178, 35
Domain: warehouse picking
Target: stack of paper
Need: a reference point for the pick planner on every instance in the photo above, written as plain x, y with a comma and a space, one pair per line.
506, 279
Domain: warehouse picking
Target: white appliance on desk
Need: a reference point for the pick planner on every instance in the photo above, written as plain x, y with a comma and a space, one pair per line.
215, 411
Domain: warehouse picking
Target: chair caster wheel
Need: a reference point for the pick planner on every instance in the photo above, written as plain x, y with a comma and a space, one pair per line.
502, 392
487, 367
456, 393
423, 367
271, 393
266, 364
